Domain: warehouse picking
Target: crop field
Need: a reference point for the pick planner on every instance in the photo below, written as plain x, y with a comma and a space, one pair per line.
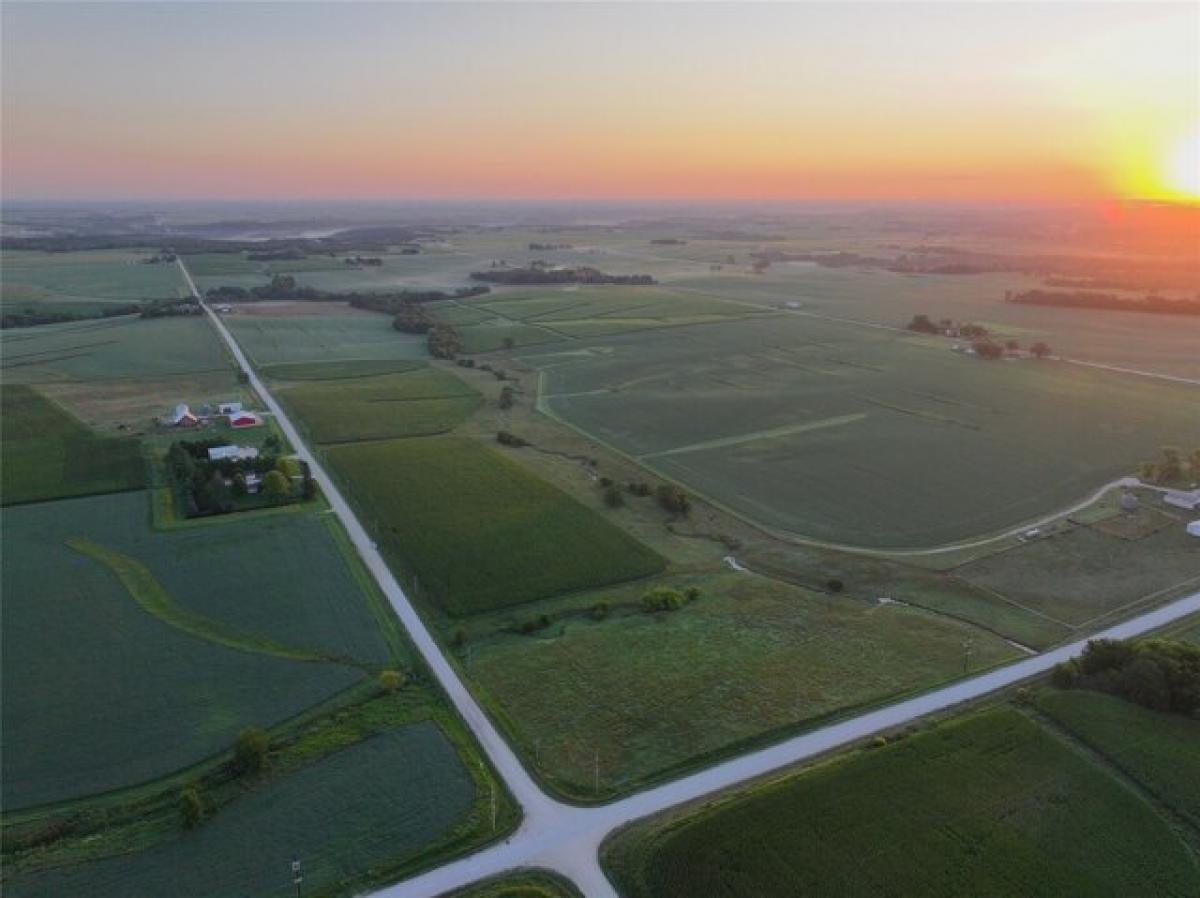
854, 435
119, 347
84, 282
306, 371
990, 804
489, 534
526, 884
1082, 573
158, 648
49, 455
420, 402
270, 340
636, 695
1158, 750
339, 816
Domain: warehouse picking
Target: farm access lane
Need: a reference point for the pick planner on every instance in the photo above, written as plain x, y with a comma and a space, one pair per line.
566, 838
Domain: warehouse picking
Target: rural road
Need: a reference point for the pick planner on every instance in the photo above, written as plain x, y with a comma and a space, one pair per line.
565, 838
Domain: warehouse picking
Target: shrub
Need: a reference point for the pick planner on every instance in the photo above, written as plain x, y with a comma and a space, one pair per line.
662, 598
691, 593
879, 741
833, 584
506, 397
192, 806
600, 611
673, 499
460, 638
499, 374
606, 481
613, 497
534, 624
639, 489
250, 751
390, 680
504, 438
276, 487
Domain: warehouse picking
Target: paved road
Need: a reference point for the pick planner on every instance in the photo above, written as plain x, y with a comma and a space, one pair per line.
567, 839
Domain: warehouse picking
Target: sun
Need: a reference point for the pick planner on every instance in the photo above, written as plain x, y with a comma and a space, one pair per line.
1182, 175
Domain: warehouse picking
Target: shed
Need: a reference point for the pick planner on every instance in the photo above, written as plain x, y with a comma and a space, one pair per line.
1193, 528
1186, 499
228, 408
244, 419
183, 416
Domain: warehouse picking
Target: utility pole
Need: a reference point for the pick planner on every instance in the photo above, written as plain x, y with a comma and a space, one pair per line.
966, 654
297, 875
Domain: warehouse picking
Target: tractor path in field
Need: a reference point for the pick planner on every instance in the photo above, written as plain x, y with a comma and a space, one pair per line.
566, 838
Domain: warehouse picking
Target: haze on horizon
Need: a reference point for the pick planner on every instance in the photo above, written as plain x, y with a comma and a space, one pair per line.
976, 102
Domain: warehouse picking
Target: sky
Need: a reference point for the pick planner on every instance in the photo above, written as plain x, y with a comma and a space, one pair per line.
1010, 102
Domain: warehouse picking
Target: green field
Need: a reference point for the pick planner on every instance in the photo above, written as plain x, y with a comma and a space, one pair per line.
83, 283
360, 811
526, 884
270, 340
852, 435
157, 648
120, 347
637, 696
990, 804
1083, 573
1160, 751
488, 534
419, 402
306, 371
48, 454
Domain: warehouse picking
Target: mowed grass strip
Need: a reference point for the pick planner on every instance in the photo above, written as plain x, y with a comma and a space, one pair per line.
477, 530
419, 402
48, 454
1160, 751
349, 817
987, 805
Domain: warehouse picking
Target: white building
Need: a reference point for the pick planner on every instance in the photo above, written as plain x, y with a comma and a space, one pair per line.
238, 453
1185, 499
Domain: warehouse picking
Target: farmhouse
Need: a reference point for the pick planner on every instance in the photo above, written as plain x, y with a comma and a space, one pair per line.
1188, 500
244, 419
183, 417
238, 453
228, 408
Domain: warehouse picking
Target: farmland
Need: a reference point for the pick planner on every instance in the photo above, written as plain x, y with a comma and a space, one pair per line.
989, 804
136, 694
526, 884
751, 657
850, 435
119, 347
339, 815
1158, 750
48, 454
418, 402
306, 371
270, 340
527, 540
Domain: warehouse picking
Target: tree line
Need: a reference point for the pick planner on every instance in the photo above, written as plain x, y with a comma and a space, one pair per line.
1160, 674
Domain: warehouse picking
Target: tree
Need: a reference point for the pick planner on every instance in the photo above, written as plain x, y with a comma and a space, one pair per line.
288, 467
251, 750
444, 341
192, 806
662, 598
1012, 345
1039, 350
276, 487
508, 343
986, 349
921, 324
613, 497
1171, 468
506, 397
673, 499
390, 680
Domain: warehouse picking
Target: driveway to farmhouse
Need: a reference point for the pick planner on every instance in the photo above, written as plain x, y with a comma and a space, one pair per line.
566, 838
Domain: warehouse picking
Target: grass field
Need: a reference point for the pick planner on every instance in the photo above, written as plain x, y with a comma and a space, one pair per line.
989, 804
526, 884
419, 402
638, 695
488, 534
138, 687
270, 340
48, 454
1085, 572
852, 435
306, 371
101, 350
1160, 751
361, 810
83, 283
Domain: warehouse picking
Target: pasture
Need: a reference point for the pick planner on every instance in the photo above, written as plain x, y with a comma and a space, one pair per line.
475, 531
270, 340
343, 819
147, 640
48, 454
989, 804
418, 402
113, 348
638, 696
1160, 751
855, 435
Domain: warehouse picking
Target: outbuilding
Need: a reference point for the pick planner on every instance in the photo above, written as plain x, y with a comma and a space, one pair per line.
1188, 500
183, 416
244, 419
1193, 528
228, 408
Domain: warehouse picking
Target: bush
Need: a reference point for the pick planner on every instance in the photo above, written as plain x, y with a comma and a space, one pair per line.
504, 438
276, 487
390, 680
606, 481
833, 584
192, 806
613, 497
662, 598
639, 489
691, 593
251, 750
600, 611
506, 397
880, 741
673, 499
534, 624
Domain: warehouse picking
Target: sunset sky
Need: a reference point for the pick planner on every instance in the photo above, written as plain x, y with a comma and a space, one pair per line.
1008, 102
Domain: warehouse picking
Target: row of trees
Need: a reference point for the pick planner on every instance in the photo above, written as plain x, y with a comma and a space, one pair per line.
1160, 674
1176, 468
1084, 299
540, 273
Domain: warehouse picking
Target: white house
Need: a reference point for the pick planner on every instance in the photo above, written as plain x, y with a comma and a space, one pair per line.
239, 453
228, 408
